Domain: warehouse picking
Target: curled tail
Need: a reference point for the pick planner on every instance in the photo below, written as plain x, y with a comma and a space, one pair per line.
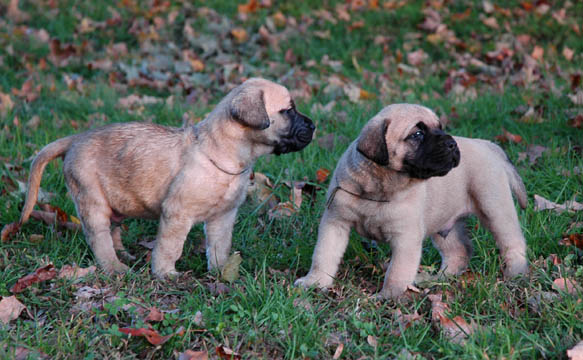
48, 153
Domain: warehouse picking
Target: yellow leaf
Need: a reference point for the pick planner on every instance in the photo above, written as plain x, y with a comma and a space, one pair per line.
240, 35
230, 271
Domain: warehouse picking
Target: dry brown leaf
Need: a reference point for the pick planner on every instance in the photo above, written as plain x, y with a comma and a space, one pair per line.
568, 53
567, 285
576, 353
491, 22
193, 355
240, 35
508, 136
576, 98
44, 273
10, 309
404, 321
538, 53
456, 329
22, 353
533, 152
372, 341
133, 101
154, 315
51, 218
282, 210
417, 57
576, 122
540, 203
28, 91
572, 239
322, 175
249, 7
9, 230
75, 272
15, 14
227, 354
151, 335
6, 103
338, 351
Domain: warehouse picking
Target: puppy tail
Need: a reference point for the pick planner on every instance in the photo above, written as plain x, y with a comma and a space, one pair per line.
48, 153
516, 185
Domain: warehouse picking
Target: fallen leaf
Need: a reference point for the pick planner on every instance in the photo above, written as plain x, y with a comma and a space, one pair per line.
282, 210
404, 321
576, 122
230, 271
151, 335
568, 53
240, 35
148, 244
198, 320
28, 91
540, 203
10, 309
225, 353
491, 22
15, 14
44, 273
193, 355
249, 7
154, 315
567, 285
51, 218
75, 272
576, 98
6, 104
218, 288
537, 53
372, 341
338, 351
417, 58
576, 353
533, 152
134, 100
88, 292
9, 230
572, 239
456, 329
22, 353
322, 175
508, 136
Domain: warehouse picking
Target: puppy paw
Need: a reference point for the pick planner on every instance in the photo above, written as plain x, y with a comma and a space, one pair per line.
515, 264
165, 274
322, 281
115, 267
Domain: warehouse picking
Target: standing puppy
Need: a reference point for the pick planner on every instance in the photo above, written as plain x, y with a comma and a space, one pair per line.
179, 176
403, 179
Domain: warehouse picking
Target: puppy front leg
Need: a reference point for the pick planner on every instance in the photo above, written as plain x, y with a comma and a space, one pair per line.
405, 259
332, 241
172, 232
219, 233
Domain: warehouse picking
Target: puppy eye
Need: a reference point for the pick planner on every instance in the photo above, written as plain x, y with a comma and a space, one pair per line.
417, 135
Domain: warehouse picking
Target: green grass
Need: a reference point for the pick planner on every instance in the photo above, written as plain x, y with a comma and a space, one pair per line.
263, 315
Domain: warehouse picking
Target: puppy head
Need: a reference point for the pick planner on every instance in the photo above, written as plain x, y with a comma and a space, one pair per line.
408, 138
262, 105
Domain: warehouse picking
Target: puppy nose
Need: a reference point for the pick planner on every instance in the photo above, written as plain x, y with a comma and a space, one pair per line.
451, 144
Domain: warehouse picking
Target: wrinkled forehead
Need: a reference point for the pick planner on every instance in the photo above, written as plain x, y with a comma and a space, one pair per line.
275, 96
404, 117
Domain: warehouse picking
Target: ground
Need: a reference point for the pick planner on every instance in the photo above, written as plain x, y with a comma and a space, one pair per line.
509, 72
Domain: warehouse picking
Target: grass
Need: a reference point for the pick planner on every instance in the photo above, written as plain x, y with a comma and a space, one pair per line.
263, 315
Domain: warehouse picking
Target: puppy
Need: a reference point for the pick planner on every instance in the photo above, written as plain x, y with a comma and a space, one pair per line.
179, 176
403, 179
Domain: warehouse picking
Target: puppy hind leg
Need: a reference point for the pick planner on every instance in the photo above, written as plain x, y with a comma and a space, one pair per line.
98, 235
333, 238
118, 245
219, 234
455, 249
501, 219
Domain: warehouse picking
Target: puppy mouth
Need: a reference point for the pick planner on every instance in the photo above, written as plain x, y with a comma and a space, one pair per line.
435, 159
299, 135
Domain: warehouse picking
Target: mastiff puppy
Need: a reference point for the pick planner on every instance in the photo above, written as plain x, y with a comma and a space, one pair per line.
180, 176
402, 180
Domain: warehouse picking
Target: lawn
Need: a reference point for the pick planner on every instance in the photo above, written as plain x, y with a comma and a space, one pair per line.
510, 72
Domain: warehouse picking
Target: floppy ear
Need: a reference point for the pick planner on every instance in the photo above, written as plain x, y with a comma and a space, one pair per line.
372, 144
248, 108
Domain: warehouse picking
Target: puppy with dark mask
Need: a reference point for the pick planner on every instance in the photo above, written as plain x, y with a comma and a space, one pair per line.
181, 176
404, 179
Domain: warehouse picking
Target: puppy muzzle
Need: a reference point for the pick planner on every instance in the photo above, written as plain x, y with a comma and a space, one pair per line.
439, 156
299, 135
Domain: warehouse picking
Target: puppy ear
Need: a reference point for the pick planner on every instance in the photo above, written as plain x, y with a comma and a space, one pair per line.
372, 144
248, 108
